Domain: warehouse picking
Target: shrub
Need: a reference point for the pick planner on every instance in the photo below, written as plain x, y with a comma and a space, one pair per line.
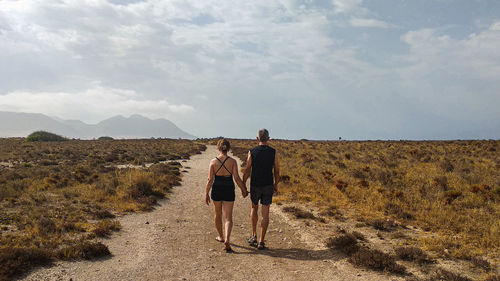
412, 254
105, 227
341, 185
141, 184
492, 277
14, 261
44, 136
103, 214
299, 213
45, 226
346, 243
481, 263
83, 250
377, 260
359, 235
445, 275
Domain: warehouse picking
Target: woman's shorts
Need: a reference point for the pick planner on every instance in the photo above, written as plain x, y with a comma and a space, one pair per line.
223, 189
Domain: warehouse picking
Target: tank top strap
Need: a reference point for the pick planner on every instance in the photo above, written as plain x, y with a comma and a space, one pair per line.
222, 165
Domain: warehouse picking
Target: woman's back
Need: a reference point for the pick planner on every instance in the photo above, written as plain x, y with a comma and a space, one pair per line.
223, 166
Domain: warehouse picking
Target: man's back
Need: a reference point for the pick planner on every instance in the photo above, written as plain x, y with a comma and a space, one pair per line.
262, 165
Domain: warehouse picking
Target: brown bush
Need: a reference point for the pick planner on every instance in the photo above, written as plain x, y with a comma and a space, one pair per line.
412, 254
14, 261
440, 182
384, 225
346, 243
492, 277
481, 263
376, 260
359, 235
105, 227
446, 166
445, 275
103, 214
299, 213
46, 226
83, 250
479, 188
341, 185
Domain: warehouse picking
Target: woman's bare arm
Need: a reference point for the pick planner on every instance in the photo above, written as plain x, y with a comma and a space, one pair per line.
210, 182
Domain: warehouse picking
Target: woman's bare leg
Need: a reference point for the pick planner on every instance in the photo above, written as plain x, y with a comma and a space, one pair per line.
228, 217
218, 218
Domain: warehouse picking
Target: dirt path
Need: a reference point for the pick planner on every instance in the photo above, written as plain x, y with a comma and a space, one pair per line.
176, 242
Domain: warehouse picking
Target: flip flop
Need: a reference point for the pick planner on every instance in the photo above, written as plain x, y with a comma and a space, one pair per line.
261, 246
218, 239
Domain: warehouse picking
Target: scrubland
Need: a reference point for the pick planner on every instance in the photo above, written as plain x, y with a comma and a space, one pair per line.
57, 198
449, 190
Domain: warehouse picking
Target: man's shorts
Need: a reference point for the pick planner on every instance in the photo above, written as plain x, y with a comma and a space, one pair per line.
262, 193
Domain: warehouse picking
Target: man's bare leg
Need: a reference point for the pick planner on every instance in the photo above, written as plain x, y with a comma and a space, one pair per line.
264, 223
228, 218
218, 218
254, 218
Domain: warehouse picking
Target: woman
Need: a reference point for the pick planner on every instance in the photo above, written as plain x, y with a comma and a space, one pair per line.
221, 172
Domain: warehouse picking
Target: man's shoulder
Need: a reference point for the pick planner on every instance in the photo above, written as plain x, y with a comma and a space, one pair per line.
262, 148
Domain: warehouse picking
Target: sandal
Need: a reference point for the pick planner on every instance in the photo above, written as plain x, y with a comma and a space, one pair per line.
227, 248
219, 239
261, 246
252, 240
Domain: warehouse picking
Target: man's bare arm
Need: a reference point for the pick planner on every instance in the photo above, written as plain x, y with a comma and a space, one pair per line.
248, 168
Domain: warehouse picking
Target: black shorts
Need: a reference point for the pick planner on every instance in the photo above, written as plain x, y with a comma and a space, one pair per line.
223, 189
262, 193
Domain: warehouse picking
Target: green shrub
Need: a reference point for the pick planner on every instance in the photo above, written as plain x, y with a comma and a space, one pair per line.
44, 136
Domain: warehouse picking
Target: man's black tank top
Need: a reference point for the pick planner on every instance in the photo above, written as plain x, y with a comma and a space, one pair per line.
262, 165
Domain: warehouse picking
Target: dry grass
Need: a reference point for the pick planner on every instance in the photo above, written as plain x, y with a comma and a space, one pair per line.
436, 185
412, 254
83, 250
15, 260
346, 243
60, 196
448, 189
377, 260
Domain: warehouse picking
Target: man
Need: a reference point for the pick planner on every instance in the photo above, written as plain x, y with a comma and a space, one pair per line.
263, 170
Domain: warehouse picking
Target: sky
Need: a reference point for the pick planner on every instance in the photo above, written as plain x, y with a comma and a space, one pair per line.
356, 69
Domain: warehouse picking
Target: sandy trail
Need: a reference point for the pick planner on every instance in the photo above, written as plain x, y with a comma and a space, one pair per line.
176, 242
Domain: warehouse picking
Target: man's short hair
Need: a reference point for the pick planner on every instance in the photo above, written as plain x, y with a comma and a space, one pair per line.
263, 135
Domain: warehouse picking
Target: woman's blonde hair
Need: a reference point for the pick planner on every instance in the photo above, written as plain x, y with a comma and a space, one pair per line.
223, 145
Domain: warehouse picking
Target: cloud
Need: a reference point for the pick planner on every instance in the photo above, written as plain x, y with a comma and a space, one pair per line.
345, 6
473, 57
165, 58
91, 105
358, 22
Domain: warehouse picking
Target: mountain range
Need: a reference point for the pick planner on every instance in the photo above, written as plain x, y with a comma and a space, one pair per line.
17, 124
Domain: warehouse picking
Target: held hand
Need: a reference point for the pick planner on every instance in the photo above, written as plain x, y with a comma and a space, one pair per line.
207, 199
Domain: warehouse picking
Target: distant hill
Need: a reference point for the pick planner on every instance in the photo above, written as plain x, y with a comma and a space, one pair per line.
15, 124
